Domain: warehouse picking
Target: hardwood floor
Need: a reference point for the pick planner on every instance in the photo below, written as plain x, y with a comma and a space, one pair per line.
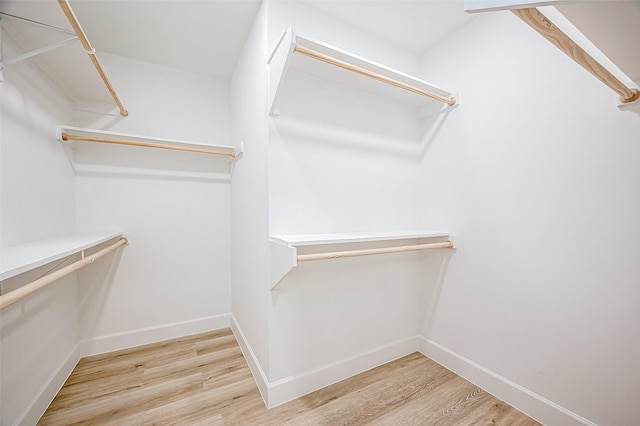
204, 380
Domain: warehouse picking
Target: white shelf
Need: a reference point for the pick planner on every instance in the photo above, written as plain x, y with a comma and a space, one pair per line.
473, 6
284, 248
300, 240
18, 259
284, 58
179, 159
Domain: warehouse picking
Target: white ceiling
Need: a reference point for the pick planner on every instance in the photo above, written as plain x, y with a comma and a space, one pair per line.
206, 36
413, 25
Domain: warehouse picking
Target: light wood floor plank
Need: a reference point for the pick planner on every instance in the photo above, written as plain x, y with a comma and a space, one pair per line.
111, 408
204, 380
369, 402
208, 364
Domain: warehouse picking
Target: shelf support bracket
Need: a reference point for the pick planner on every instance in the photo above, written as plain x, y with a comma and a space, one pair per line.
36, 52
283, 259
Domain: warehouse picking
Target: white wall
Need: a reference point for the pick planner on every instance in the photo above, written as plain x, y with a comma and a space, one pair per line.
339, 162
175, 273
316, 24
249, 200
30, 110
537, 172
37, 201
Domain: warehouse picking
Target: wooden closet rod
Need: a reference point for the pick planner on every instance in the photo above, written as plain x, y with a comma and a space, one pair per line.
536, 20
68, 137
75, 24
367, 252
344, 65
24, 291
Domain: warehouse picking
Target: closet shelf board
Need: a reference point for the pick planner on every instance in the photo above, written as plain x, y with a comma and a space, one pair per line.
474, 6
298, 240
284, 248
25, 257
284, 58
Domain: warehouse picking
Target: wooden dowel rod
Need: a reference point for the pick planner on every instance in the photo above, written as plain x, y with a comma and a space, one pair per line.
368, 252
75, 24
24, 291
68, 137
344, 65
536, 20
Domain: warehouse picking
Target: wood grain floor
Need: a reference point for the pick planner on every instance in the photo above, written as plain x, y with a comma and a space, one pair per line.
204, 380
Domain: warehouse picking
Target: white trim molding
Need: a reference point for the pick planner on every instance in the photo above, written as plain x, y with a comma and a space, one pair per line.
519, 397
289, 388
254, 365
144, 336
49, 390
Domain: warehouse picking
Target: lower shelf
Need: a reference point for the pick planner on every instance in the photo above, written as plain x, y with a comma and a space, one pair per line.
286, 251
24, 257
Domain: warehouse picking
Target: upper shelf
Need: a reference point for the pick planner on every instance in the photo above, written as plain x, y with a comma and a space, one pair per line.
331, 63
25, 257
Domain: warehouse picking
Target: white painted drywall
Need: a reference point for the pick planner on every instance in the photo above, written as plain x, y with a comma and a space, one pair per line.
31, 156
314, 23
39, 334
340, 160
537, 172
164, 102
176, 268
249, 195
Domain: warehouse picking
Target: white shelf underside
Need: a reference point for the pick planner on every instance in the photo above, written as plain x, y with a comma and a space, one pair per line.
300, 240
25, 257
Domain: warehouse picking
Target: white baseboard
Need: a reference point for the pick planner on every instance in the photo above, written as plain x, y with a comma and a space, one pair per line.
289, 388
530, 403
254, 365
144, 336
42, 400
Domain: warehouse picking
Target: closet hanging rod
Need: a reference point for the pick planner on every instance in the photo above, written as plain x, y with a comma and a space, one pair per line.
536, 20
24, 291
368, 252
75, 24
379, 77
67, 137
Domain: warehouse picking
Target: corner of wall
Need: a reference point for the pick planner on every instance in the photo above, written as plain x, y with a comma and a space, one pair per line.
519, 397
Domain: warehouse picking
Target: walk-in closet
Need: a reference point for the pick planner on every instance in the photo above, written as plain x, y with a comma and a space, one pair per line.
319, 212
